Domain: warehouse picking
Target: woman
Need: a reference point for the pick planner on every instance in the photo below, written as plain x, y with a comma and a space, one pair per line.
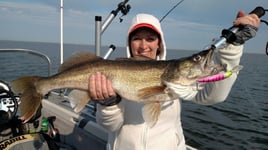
123, 118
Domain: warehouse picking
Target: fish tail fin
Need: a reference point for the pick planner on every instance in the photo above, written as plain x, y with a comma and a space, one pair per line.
151, 112
78, 99
30, 98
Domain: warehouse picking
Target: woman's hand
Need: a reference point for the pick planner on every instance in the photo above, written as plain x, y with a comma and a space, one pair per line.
248, 26
243, 19
100, 87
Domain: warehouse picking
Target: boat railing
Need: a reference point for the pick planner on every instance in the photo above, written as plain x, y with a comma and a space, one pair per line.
29, 51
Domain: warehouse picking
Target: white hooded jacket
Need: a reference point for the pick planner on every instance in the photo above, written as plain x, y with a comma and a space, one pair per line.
128, 131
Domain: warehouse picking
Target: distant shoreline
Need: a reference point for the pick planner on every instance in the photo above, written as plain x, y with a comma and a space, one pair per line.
104, 46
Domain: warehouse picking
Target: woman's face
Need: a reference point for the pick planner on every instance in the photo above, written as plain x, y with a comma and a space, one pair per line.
144, 42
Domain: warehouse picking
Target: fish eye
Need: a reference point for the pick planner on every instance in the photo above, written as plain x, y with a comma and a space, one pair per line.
197, 58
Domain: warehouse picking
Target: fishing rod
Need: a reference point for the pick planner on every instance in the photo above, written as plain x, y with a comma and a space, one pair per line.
170, 10
228, 35
266, 48
265, 22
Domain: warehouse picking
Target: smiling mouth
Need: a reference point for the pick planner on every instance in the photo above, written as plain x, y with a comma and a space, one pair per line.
144, 52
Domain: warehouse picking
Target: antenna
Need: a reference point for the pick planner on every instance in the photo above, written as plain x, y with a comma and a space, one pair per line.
61, 31
171, 10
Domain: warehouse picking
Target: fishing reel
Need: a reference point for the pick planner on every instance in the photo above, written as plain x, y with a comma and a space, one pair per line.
8, 103
123, 8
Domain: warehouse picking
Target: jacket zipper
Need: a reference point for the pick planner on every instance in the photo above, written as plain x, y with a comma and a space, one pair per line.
144, 138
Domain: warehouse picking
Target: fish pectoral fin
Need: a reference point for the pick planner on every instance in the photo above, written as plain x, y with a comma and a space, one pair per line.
156, 94
78, 99
151, 112
149, 91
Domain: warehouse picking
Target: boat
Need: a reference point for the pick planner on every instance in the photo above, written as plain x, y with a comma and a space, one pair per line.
67, 129
55, 125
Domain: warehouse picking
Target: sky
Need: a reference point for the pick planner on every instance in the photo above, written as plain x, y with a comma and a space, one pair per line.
191, 25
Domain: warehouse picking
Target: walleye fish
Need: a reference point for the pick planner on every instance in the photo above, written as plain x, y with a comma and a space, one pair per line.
140, 81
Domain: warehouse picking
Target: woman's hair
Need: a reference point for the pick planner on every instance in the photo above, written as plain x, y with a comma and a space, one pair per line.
136, 31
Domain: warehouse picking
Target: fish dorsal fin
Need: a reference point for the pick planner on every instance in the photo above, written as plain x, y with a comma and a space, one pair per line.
78, 58
123, 58
135, 58
142, 58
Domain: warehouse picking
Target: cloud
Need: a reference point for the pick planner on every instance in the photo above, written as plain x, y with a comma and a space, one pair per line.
27, 12
192, 21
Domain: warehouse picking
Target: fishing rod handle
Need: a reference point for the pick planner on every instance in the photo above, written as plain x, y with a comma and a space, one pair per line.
229, 34
259, 11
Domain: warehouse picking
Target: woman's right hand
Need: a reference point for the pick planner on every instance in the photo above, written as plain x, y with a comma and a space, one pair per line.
100, 87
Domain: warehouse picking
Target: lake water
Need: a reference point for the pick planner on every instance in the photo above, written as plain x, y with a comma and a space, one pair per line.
239, 123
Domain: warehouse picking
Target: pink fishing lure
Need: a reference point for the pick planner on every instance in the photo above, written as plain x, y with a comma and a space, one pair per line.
221, 76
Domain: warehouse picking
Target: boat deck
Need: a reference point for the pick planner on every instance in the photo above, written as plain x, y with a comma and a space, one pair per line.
76, 130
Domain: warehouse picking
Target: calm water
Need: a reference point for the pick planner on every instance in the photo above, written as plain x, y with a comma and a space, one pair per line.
241, 122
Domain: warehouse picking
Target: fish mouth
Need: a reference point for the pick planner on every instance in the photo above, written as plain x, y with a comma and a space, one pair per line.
209, 63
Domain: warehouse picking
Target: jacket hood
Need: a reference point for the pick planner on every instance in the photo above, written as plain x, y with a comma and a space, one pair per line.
147, 20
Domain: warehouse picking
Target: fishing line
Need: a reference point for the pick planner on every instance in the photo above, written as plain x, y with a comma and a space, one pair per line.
171, 10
